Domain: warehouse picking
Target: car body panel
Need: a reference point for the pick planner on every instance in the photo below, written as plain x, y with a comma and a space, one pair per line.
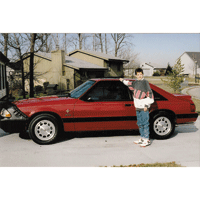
82, 114
104, 115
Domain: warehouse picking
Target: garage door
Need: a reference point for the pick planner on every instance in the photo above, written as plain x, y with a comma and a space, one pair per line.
147, 72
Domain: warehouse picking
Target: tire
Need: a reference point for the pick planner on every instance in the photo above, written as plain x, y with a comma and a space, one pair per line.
162, 126
43, 129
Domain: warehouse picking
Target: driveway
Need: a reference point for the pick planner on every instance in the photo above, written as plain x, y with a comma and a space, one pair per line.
101, 150
193, 91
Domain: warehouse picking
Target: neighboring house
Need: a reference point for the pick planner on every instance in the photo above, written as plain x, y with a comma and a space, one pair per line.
189, 61
69, 71
3, 75
150, 68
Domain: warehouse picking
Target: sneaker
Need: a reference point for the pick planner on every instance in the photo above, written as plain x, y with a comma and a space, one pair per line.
140, 141
145, 143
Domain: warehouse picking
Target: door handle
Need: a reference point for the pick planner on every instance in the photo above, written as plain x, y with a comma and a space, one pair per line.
128, 105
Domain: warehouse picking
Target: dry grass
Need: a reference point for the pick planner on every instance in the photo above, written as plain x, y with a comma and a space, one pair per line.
167, 164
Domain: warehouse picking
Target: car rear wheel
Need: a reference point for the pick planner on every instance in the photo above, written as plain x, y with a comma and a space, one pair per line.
162, 126
43, 129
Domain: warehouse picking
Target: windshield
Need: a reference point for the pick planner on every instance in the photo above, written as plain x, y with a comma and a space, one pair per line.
81, 89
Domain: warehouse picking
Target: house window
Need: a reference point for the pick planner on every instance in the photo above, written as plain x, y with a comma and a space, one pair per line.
118, 68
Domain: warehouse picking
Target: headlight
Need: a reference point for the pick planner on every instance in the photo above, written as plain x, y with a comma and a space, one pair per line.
5, 113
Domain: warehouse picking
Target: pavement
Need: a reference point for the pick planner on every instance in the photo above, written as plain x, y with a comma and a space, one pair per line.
103, 150
183, 148
193, 91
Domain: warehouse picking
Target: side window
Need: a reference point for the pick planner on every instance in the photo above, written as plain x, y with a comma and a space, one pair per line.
116, 91
108, 91
158, 97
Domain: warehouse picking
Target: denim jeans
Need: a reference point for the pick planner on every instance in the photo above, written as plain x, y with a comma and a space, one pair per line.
143, 123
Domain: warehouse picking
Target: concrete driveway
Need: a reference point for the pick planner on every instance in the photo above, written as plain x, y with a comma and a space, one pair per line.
193, 91
101, 150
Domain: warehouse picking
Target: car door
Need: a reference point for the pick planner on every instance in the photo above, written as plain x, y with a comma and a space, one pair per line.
108, 105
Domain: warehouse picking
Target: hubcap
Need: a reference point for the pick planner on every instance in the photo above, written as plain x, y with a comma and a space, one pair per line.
162, 126
45, 130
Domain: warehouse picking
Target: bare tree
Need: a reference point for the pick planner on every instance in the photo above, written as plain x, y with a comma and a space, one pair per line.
80, 40
106, 48
19, 52
121, 40
33, 39
6, 44
37, 42
99, 36
129, 68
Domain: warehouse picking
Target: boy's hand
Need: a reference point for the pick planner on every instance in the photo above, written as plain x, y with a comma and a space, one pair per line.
121, 79
145, 109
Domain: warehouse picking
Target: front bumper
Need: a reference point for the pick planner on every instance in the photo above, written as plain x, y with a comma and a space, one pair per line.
18, 120
12, 126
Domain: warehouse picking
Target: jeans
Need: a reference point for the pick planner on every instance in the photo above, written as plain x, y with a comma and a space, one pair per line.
143, 123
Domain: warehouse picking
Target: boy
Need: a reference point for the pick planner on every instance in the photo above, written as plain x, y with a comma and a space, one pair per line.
143, 98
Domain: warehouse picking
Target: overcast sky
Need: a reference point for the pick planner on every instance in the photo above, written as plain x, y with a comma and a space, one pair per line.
164, 48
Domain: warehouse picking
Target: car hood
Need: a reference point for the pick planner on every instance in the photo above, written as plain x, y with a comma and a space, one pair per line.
43, 100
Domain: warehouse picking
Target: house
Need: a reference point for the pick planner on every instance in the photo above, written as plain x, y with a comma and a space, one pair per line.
3, 75
69, 71
191, 62
112, 64
150, 68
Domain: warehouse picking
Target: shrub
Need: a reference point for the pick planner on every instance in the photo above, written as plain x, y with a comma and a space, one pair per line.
157, 73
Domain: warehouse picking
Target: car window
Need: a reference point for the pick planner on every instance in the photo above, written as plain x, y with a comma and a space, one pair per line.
77, 92
108, 91
158, 97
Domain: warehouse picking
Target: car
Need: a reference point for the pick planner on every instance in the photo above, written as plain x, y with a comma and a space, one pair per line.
96, 105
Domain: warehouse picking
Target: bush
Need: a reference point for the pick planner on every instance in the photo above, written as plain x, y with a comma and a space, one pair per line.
157, 73
38, 89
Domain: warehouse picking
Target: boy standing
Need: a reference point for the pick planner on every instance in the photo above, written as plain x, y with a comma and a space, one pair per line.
143, 98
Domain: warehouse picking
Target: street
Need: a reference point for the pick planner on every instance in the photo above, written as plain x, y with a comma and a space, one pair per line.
192, 91
101, 150
195, 92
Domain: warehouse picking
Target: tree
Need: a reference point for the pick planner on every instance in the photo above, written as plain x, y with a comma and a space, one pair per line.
5, 44
175, 78
129, 68
106, 49
33, 38
121, 40
80, 40
168, 70
16, 44
100, 41
37, 42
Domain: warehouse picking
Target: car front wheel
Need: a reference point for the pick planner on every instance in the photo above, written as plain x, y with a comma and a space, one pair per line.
162, 126
43, 129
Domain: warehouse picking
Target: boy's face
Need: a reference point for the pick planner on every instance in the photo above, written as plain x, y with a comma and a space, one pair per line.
139, 75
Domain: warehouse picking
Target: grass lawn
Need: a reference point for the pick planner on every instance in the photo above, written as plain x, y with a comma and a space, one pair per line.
167, 164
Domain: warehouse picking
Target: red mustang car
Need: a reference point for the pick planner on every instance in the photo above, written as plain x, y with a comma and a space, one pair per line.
97, 104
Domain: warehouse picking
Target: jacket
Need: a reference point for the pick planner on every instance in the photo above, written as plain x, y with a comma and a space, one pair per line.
142, 93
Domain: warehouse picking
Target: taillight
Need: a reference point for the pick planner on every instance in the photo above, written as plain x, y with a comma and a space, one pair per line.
192, 107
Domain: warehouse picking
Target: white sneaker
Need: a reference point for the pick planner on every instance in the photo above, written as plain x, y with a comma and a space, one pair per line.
145, 143
140, 141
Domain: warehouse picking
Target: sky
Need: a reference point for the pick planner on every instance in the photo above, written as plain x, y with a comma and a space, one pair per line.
164, 48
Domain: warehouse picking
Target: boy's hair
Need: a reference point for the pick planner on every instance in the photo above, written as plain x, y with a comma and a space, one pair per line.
138, 70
